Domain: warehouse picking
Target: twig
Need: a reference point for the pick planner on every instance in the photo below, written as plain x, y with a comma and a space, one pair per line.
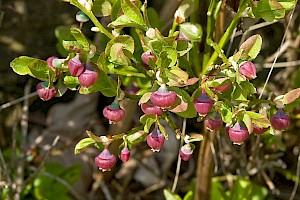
297, 180
213, 151
5, 170
179, 158
254, 27
152, 188
62, 181
282, 41
105, 190
25, 97
23, 145
38, 170
282, 64
221, 152
268, 181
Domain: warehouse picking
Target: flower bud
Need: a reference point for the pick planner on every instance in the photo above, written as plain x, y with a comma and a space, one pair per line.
258, 130
75, 66
105, 160
81, 17
113, 113
186, 152
155, 140
248, 69
163, 97
146, 56
44, 92
181, 37
213, 121
203, 104
222, 88
147, 108
238, 133
88, 78
280, 120
50, 62
125, 154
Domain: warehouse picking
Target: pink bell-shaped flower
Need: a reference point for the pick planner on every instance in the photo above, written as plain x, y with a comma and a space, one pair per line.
163, 97
105, 160
155, 140
280, 120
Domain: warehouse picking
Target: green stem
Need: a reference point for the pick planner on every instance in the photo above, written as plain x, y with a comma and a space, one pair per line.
219, 51
174, 26
194, 14
92, 17
227, 34
171, 123
209, 31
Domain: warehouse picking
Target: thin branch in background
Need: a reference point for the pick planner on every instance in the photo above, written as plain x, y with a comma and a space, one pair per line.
5, 170
179, 158
282, 41
152, 188
221, 152
25, 97
39, 169
213, 151
297, 179
268, 181
231, 43
23, 145
105, 190
282, 64
254, 27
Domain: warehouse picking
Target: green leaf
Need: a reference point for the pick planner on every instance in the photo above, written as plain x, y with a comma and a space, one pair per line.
72, 46
45, 186
248, 122
104, 84
102, 8
291, 96
259, 119
71, 82
117, 55
163, 130
145, 98
145, 117
269, 10
128, 71
217, 190
244, 189
137, 137
170, 196
247, 87
148, 124
196, 138
287, 4
154, 18
30, 66
189, 195
190, 111
126, 41
183, 47
132, 12
226, 112
80, 38
239, 94
61, 88
251, 47
83, 144
191, 31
